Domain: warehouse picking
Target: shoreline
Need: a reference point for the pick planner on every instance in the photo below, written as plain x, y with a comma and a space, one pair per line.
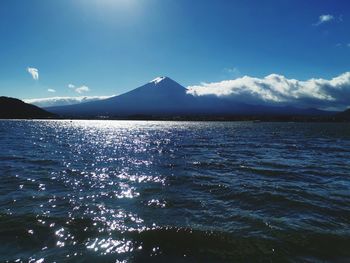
254, 119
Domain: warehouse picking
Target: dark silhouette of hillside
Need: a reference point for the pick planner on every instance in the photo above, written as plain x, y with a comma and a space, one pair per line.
11, 108
344, 116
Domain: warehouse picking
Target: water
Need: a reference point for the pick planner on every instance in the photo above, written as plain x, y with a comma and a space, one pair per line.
120, 191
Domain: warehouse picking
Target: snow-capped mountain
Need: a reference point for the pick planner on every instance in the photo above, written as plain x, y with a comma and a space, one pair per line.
160, 96
163, 96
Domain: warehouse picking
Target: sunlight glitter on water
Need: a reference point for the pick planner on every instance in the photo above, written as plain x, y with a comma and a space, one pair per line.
107, 246
114, 190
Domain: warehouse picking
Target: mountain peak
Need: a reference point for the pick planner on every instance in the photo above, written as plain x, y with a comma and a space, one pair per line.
158, 80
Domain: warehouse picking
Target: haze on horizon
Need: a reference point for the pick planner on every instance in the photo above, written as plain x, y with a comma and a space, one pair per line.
284, 52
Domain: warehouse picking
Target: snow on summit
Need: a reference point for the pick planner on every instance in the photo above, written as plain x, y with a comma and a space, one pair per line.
157, 80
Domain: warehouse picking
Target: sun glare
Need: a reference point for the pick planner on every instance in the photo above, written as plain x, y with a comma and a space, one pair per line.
111, 9
117, 4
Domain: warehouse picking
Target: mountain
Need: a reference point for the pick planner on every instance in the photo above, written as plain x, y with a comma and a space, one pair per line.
165, 97
11, 108
160, 96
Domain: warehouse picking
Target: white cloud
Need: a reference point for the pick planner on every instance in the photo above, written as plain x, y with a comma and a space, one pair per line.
324, 19
34, 72
279, 90
51, 90
82, 89
61, 101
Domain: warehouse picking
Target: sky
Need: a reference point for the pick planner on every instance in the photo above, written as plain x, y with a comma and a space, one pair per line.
106, 47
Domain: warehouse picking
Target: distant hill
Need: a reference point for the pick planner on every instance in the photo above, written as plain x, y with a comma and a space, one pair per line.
345, 115
165, 97
11, 108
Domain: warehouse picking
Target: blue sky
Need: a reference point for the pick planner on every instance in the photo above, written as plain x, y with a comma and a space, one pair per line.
108, 47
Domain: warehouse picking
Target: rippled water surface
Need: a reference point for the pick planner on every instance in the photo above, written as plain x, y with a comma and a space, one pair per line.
120, 191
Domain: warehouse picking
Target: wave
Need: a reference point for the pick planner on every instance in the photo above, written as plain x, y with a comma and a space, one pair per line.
168, 243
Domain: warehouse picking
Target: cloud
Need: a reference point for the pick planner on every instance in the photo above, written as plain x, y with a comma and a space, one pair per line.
342, 45
276, 89
233, 71
62, 101
324, 19
51, 90
82, 89
34, 72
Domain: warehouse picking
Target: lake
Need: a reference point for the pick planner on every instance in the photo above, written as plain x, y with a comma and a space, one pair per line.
148, 191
